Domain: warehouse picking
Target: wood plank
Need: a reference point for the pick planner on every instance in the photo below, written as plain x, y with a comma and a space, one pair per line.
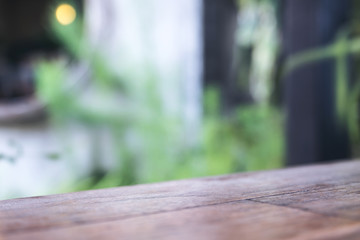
223, 221
316, 202
333, 200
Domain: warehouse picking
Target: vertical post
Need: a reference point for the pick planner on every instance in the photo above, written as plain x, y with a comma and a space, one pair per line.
312, 130
219, 27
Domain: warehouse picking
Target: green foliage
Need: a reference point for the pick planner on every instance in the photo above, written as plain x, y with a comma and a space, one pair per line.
152, 144
249, 139
347, 100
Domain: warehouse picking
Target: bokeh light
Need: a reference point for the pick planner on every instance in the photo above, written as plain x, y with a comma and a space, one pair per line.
65, 14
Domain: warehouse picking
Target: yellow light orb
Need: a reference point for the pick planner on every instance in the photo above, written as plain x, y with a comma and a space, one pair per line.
65, 14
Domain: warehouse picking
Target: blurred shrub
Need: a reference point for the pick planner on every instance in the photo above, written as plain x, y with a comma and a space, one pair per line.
251, 138
150, 143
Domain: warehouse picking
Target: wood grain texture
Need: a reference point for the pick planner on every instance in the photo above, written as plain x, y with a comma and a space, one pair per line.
315, 202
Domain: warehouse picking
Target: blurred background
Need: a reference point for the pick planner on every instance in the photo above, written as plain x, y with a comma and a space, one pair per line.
97, 94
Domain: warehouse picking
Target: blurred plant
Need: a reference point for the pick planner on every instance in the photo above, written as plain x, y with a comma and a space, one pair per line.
251, 134
257, 33
149, 143
347, 98
261, 134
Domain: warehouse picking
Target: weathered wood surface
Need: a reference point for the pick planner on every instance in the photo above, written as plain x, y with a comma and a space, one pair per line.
315, 202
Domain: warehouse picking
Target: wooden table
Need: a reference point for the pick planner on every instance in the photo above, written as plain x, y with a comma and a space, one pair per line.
315, 202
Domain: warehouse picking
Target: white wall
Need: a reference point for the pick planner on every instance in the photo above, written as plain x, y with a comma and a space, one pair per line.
165, 32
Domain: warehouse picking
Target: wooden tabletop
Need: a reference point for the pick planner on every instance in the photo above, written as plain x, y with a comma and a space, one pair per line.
315, 202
